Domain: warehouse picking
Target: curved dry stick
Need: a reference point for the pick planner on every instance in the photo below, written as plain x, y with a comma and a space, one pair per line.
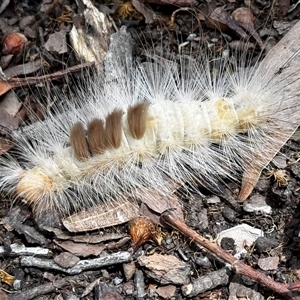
15, 82
169, 218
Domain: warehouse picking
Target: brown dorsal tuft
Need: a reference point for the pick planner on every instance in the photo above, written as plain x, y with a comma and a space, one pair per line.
114, 129
78, 142
137, 117
96, 136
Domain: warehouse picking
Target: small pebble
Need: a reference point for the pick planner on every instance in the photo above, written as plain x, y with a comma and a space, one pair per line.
117, 280
227, 243
129, 270
286, 255
168, 240
17, 284
242, 235
279, 161
203, 262
268, 32
229, 214
191, 37
66, 260
203, 219
105, 274
257, 203
213, 200
247, 281
128, 288
268, 263
262, 184
263, 244
71, 297
166, 292
182, 255
295, 168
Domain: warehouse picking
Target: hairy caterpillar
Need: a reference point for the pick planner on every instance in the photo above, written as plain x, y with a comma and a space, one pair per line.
153, 124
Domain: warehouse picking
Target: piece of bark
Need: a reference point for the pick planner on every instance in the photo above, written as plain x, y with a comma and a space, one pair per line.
166, 269
206, 283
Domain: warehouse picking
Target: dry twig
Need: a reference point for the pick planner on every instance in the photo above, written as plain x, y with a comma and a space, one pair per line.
169, 218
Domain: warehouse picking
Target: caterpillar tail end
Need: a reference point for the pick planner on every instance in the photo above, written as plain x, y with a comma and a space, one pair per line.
32, 187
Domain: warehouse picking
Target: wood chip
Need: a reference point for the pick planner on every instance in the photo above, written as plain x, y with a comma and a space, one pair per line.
166, 269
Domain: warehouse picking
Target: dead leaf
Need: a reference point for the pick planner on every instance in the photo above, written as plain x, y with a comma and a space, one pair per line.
8, 121
148, 14
7, 278
154, 204
80, 249
221, 19
101, 216
24, 69
4, 147
271, 70
10, 104
86, 238
57, 42
284, 6
4, 87
244, 17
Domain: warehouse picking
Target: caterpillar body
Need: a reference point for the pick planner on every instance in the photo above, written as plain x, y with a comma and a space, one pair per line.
153, 124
